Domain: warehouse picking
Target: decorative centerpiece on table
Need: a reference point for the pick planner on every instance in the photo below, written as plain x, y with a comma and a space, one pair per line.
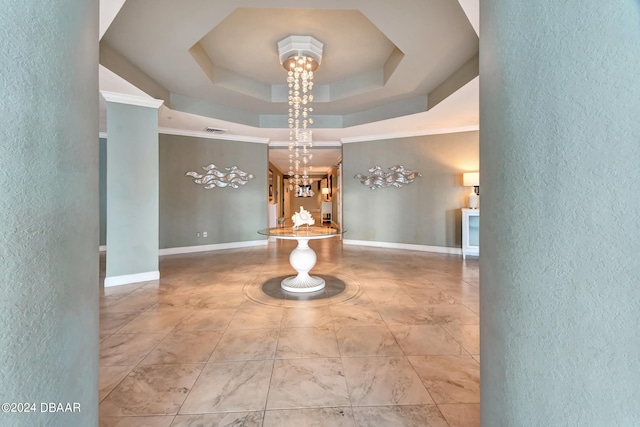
301, 218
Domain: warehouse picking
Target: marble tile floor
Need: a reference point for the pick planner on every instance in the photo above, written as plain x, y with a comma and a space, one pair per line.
207, 346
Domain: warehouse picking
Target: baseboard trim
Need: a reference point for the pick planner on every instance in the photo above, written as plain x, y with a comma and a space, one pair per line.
406, 246
213, 247
131, 278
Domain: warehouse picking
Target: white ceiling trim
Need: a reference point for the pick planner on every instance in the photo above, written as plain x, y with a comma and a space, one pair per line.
439, 131
201, 134
316, 144
182, 132
122, 98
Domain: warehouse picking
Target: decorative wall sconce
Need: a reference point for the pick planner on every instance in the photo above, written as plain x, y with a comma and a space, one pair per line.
472, 179
397, 177
217, 178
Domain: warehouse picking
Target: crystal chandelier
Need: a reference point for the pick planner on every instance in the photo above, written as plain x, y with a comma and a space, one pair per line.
300, 56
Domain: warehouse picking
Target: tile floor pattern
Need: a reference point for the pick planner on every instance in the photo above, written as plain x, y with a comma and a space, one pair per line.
194, 350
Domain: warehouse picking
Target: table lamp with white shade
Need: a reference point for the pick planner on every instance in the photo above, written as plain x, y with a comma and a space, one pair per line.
472, 179
325, 192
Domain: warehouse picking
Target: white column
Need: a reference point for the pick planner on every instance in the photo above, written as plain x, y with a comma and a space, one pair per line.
132, 189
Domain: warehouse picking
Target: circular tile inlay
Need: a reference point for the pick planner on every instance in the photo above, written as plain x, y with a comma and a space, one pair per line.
336, 291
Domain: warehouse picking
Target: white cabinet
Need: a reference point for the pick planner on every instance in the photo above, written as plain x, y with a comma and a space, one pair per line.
325, 212
272, 217
470, 232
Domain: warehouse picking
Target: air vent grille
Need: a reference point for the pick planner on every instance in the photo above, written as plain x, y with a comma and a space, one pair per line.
210, 129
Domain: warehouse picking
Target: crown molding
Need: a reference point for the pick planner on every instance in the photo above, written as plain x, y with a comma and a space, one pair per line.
198, 134
316, 144
202, 134
122, 98
424, 132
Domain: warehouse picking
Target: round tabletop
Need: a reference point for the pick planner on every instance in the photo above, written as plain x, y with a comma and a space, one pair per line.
303, 232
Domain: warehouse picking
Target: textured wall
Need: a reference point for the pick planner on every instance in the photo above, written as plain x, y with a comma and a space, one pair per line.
560, 225
426, 212
49, 209
132, 189
227, 214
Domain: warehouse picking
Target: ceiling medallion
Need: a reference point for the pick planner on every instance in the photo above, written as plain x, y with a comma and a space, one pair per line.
300, 56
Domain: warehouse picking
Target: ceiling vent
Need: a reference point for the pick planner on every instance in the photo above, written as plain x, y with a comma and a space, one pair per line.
210, 129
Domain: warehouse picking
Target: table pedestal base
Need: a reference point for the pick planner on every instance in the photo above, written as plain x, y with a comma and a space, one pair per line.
303, 282
302, 259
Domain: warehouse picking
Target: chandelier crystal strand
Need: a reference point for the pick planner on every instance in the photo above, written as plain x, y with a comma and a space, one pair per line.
300, 83
300, 56
302, 88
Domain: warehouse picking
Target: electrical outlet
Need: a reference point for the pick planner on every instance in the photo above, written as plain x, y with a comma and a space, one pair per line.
198, 234
204, 234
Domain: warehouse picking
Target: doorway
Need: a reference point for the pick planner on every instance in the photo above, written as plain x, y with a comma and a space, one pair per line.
325, 174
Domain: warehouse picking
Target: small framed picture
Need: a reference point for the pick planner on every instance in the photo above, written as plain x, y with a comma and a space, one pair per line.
270, 185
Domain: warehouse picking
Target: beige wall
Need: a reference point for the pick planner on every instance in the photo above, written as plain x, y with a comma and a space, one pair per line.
278, 193
334, 179
312, 204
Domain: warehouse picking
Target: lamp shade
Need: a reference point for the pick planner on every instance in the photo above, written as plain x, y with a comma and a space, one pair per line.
471, 179
325, 191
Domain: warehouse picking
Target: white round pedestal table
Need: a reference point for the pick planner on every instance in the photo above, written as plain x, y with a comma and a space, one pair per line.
302, 258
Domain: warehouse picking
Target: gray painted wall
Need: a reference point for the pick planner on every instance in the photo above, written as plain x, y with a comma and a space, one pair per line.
227, 214
49, 209
426, 212
560, 224
132, 189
